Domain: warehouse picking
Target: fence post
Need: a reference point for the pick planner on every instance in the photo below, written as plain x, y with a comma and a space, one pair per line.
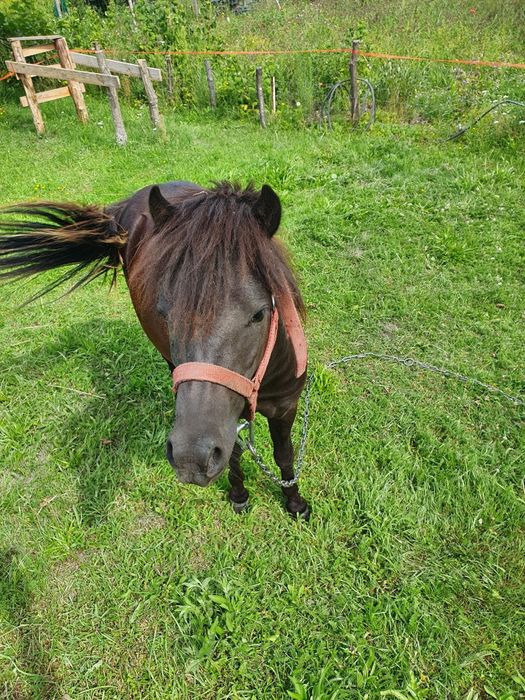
120, 130
132, 11
75, 89
150, 93
211, 84
169, 73
195, 5
354, 90
260, 96
27, 82
274, 100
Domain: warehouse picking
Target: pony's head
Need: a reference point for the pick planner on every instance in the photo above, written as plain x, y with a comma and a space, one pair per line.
219, 272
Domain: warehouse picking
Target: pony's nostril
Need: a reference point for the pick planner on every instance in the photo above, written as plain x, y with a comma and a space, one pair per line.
215, 465
169, 452
196, 461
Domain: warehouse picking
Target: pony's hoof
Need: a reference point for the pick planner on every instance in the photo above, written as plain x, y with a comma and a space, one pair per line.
240, 508
303, 514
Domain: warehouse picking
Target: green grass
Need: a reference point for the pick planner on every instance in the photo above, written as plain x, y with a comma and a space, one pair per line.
117, 582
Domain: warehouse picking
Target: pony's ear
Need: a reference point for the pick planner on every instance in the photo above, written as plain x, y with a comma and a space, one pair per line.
267, 210
159, 207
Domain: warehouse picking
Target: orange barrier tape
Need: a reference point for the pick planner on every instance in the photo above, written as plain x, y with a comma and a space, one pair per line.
463, 61
287, 52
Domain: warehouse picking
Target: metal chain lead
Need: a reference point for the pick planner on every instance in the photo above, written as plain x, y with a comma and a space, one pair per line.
248, 442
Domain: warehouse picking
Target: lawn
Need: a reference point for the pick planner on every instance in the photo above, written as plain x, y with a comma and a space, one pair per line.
119, 583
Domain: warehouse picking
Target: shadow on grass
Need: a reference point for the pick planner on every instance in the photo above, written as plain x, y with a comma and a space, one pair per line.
124, 417
15, 603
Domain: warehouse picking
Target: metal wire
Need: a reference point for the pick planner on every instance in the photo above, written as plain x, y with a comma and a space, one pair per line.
248, 443
488, 111
326, 107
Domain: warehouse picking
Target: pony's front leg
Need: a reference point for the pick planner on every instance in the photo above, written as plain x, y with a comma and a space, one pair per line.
280, 430
239, 496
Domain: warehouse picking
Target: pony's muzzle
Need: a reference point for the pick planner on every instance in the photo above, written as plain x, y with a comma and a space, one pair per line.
201, 463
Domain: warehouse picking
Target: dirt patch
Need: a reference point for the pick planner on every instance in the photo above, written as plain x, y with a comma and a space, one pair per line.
389, 328
355, 252
62, 584
147, 522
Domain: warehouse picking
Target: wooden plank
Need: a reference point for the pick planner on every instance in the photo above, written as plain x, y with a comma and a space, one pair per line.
34, 50
74, 85
114, 104
49, 95
150, 94
83, 59
62, 74
16, 48
49, 37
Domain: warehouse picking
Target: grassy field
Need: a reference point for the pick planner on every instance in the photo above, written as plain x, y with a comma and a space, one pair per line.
118, 583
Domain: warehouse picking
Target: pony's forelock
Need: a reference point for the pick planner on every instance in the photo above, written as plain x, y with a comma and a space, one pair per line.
211, 240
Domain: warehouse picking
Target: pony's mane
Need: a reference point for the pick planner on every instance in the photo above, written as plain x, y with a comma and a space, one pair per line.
212, 238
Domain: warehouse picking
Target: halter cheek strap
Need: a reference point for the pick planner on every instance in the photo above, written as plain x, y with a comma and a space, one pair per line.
294, 329
249, 388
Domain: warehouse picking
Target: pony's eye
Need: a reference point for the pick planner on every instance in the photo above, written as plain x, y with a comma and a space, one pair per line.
258, 317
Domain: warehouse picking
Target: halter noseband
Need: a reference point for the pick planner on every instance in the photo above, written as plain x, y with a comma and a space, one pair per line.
249, 388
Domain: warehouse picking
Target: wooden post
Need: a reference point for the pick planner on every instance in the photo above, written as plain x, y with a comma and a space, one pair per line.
75, 88
260, 96
195, 5
132, 11
120, 130
169, 73
150, 93
58, 9
354, 90
27, 82
211, 84
274, 100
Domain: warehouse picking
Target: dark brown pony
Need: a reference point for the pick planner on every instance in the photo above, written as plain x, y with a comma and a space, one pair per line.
203, 272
